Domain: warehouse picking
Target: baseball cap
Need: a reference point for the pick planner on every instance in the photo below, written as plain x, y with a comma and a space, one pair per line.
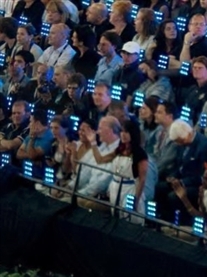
131, 47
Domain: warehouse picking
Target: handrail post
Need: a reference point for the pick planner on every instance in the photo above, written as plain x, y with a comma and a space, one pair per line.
116, 211
73, 197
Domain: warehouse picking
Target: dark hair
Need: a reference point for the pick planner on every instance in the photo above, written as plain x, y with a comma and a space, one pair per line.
30, 29
101, 84
3, 104
86, 35
152, 103
79, 79
62, 120
133, 129
200, 59
22, 103
170, 108
161, 39
149, 21
26, 55
113, 38
41, 116
92, 123
9, 26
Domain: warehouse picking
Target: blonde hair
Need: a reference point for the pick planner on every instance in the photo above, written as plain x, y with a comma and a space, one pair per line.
124, 8
59, 6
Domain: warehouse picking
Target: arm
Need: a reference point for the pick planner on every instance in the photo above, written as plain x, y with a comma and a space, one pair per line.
180, 191
189, 39
21, 153
29, 151
7, 145
142, 169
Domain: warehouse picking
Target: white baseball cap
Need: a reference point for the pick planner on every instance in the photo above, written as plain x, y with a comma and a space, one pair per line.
131, 47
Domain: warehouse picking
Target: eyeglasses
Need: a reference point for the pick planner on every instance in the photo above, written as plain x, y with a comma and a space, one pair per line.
201, 24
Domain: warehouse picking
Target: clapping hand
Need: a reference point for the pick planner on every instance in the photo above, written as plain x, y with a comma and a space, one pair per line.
71, 148
90, 134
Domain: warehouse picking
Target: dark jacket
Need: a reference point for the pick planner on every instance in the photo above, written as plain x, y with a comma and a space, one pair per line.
129, 78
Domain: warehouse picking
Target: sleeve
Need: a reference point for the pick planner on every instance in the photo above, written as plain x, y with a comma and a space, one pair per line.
24, 134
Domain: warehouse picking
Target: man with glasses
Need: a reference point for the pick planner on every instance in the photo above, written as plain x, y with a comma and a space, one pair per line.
195, 42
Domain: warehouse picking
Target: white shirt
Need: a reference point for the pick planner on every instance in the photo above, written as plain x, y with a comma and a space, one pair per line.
8, 6
99, 180
35, 50
60, 56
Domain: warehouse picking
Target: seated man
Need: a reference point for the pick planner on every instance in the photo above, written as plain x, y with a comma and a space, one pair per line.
13, 134
190, 161
128, 76
195, 96
195, 41
17, 79
60, 52
101, 101
38, 143
108, 45
109, 131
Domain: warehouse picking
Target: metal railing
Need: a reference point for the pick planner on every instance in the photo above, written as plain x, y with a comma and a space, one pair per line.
116, 207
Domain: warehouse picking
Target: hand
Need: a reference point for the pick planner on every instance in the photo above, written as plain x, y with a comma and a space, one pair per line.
33, 131
71, 148
90, 134
190, 38
173, 62
179, 190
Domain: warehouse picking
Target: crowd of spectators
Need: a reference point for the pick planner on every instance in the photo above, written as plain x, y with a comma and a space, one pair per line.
57, 101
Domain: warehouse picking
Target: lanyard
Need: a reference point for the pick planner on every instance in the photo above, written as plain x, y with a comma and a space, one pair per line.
58, 55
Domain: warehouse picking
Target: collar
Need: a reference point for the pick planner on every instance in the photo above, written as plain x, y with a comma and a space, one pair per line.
61, 48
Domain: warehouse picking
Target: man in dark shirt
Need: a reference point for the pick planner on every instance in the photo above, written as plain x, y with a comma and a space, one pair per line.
128, 76
97, 16
195, 42
13, 134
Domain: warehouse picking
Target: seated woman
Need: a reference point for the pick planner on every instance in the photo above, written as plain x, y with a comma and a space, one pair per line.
57, 12
59, 126
159, 6
147, 123
146, 27
25, 35
81, 151
32, 10
129, 160
167, 42
86, 59
155, 85
120, 18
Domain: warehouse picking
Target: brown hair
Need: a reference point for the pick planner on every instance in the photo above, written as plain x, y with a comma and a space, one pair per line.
200, 59
59, 6
124, 8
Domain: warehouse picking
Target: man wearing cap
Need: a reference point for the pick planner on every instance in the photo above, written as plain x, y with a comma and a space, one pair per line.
128, 76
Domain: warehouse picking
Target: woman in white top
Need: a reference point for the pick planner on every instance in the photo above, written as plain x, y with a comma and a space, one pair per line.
25, 35
145, 26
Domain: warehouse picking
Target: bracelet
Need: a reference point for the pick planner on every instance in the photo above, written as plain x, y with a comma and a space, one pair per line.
93, 143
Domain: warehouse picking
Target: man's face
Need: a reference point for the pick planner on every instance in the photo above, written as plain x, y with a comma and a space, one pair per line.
55, 36
91, 15
74, 91
18, 114
60, 77
105, 47
42, 75
100, 96
199, 71
128, 58
104, 130
17, 66
160, 114
197, 26
203, 4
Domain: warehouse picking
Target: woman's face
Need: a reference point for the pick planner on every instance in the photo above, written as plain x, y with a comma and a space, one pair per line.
82, 132
203, 4
125, 137
23, 37
115, 17
53, 16
170, 31
145, 112
139, 23
57, 130
75, 40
